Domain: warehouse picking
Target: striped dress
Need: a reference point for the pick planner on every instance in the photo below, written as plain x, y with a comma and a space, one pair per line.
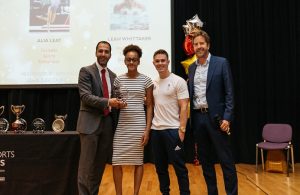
127, 149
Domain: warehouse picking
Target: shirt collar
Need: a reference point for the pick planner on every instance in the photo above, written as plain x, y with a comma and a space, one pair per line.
100, 67
206, 62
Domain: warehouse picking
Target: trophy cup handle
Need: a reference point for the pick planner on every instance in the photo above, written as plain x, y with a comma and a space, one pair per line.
64, 117
12, 108
22, 108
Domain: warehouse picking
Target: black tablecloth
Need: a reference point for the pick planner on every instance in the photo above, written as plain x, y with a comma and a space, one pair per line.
39, 164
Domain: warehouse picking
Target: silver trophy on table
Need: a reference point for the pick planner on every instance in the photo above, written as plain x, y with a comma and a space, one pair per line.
38, 125
58, 124
19, 125
4, 124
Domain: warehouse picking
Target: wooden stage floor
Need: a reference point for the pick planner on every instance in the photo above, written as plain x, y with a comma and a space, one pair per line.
250, 183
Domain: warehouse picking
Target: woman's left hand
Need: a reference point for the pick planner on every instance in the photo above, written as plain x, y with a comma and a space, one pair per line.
145, 138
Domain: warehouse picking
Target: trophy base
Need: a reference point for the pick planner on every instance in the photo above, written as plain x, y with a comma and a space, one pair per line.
19, 131
37, 131
19, 126
4, 125
38, 125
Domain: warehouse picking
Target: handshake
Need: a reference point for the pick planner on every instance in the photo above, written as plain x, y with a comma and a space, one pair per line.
117, 103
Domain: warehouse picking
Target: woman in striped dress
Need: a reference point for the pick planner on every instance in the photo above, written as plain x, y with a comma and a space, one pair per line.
133, 129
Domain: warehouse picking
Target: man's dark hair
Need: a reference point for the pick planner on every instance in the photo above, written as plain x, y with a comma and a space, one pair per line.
161, 51
103, 42
135, 48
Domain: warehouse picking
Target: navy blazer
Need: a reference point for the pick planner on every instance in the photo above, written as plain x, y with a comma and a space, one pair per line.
219, 88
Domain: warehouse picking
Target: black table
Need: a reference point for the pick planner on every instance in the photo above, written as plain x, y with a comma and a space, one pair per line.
39, 164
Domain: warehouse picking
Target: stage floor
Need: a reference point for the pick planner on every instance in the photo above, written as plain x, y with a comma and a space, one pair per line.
249, 182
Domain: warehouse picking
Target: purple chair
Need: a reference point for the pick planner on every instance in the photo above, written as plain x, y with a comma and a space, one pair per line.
276, 137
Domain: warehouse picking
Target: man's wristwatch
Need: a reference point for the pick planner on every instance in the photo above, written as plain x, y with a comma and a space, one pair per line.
182, 129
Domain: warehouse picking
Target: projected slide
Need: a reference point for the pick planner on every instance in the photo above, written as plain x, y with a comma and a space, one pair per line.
48, 41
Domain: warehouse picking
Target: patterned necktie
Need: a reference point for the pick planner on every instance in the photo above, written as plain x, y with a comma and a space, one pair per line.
105, 90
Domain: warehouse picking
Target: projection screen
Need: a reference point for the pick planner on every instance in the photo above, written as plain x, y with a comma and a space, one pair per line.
47, 41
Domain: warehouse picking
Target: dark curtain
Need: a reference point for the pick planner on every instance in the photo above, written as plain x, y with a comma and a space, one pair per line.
42, 103
261, 40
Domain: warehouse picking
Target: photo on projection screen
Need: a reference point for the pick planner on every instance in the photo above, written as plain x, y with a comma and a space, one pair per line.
48, 41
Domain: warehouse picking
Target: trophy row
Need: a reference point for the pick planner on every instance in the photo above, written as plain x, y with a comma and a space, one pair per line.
20, 125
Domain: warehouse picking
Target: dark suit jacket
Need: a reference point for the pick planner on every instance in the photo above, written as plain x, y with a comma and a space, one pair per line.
92, 102
219, 88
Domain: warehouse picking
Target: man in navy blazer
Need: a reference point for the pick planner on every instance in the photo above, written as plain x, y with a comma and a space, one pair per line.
212, 104
96, 128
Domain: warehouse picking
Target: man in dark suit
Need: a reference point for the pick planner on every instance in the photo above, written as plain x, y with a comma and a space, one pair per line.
212, 103
96, 120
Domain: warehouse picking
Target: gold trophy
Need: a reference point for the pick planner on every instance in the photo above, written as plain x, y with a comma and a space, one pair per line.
4, 124
58, 124
19, 125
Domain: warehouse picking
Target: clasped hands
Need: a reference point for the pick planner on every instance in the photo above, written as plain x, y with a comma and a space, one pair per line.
117, 103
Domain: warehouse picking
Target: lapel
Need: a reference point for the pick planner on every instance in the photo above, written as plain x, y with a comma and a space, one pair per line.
192, 72
98, 81
112, 78
211, 70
